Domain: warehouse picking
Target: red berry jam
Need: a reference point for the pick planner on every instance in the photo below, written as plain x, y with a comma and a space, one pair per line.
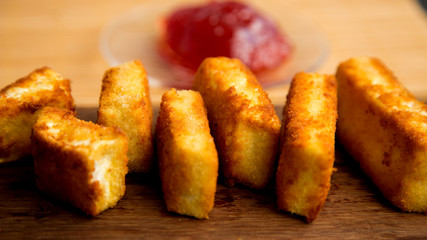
223, 28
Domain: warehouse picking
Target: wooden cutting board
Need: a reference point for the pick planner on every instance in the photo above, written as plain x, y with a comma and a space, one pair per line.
354, 209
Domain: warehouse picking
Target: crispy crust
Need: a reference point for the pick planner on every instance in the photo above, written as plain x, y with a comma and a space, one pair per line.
79, 162
244, 123
19, 106
125, 103
307, 145
188, 160
385, 128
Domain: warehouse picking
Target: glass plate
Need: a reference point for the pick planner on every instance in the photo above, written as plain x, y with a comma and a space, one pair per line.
134, 35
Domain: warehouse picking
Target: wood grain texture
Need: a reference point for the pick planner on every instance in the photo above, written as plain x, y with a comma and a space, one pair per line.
354, 209
64, 35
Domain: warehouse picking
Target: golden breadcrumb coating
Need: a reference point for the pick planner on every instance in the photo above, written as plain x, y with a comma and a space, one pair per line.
19, 105
125, 103
79, 162
307, 145
188, 160
244, 123
385, 129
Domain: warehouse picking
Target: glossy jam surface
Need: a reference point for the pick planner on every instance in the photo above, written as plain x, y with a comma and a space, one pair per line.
230, 29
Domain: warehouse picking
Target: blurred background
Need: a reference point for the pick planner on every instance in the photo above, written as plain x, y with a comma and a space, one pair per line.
64, 35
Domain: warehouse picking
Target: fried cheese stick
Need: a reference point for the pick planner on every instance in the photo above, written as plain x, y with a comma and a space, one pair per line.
125, 103
244, 123
20, 103
79, 162
307, 145
188, 160
385, 129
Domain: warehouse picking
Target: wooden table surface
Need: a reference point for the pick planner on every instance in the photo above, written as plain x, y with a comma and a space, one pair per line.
64, 35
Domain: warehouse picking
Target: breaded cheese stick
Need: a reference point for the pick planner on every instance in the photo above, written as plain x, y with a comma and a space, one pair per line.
188, 160
19, 105
385, 129
125, 103
79, 162
244, 123
307, 145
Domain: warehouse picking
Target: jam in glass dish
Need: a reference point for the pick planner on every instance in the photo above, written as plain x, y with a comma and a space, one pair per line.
221, 28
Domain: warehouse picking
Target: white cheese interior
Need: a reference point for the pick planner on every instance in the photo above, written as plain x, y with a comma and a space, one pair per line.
102, 166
